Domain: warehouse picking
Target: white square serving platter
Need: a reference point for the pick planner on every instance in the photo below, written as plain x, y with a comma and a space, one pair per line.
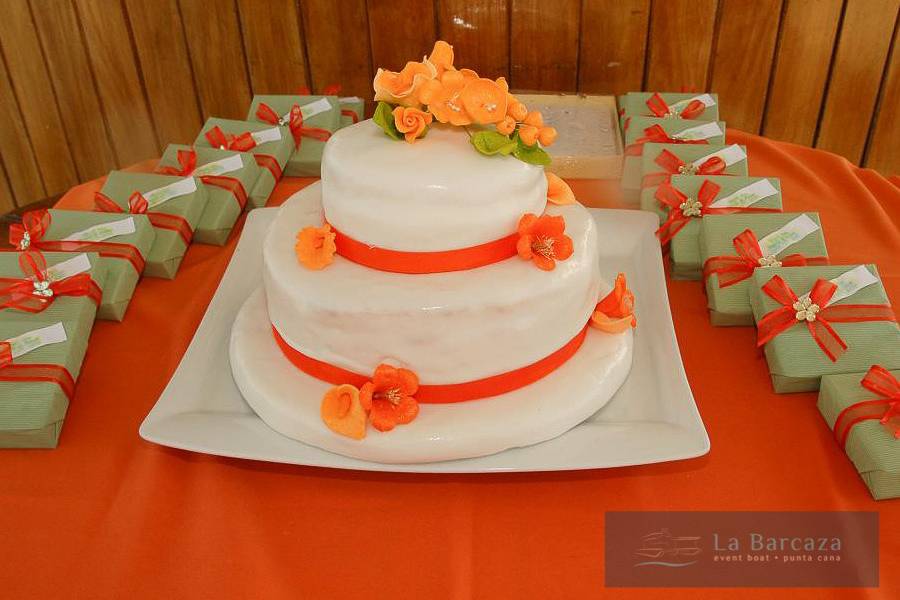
652, 418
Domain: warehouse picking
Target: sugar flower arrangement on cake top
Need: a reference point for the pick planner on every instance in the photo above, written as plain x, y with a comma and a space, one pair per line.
434, 90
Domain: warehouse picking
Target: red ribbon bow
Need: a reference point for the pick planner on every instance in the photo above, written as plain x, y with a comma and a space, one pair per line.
816, 313
242, 142
295, 122
58, 374
885, 409
138, 205
733, 269
657, 135
30, 234
682, 209
672, 165
187, 164
35, 292
659, 108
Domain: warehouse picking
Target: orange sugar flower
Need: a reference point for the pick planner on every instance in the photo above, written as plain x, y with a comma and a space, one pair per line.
543, 240
516, 109
411, 122
547, 135
534, 118
389, 397
443, 98
403, 88
484, 100
558, 191
441, 56
507, 125
343, 412
315, 247
528, 134
615, 312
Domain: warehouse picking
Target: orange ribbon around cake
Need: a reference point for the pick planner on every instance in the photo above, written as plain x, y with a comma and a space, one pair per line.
885, 410
418, 263
441, 393
187, 164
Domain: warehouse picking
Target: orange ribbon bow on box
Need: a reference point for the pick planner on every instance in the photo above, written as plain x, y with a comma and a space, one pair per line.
294, 121
243, 142
657, 135
885, 409
138, 205
672, 165
733, 269
187, 161
35, 292
813, 310
659, 108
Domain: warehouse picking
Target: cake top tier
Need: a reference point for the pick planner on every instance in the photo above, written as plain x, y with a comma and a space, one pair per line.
434, 195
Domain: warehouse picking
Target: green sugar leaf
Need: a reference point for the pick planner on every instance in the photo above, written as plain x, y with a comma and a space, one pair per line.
533, 154
384, 118
492, 142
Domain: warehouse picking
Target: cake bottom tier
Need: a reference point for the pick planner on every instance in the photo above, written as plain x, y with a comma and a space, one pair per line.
448, 328
288, 400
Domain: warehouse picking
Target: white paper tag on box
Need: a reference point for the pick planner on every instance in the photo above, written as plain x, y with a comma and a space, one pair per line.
747, 195
182, 187
220, 167
706, 99
349, 99
265, 136
851, 282
67, 268
781, 239
36, 338
312, 109
102, 231
700, 132
730, 155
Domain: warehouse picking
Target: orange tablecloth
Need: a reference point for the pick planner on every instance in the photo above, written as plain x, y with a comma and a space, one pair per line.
107, 515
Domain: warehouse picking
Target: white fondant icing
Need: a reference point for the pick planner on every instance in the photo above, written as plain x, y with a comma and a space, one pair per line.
288, 400
447, 327
436, 194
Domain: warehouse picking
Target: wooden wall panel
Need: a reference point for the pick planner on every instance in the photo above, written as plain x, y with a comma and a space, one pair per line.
544, 50
21, 178
808, 33
856, 76
40, 113
7, 201
60, 33
742, 61
118, 81
479, 32
217, 57
883, 152
613, 44
350, 64
681, 33
273, 42
400, 31
166, 68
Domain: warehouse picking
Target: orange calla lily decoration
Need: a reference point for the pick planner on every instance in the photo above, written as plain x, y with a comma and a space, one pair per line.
343, 412
558, 191
542, 240
615, 312
315, 247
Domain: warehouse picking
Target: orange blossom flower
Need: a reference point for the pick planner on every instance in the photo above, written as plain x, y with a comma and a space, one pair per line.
543, 240
389, 397
315, 247
403, 88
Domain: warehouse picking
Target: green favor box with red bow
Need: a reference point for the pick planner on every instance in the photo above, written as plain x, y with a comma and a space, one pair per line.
659, 162
683, 202
51, 286
815, 321
228, 176
863, 411
39, 365
172, 204
270, 145
644, 130
121, 241
353, 110
311, 120
733, 246
673, 105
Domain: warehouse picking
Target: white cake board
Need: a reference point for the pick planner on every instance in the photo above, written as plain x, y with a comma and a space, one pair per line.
288, 400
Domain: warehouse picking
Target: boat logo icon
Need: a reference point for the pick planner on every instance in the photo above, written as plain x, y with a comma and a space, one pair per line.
662, 549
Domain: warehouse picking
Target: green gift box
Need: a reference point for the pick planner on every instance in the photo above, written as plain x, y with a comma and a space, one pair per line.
635, 104
272, 148
319, 112
684, 249
353, 110
658, 165
796, 362
640, 130
60, 265
184, 198
777, 234
872, 448
121, 241
32, 412
227, 176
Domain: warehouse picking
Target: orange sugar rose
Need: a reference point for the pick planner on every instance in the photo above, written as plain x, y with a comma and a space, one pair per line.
542, 240
615, 312
558, 191
315, 247
411, 122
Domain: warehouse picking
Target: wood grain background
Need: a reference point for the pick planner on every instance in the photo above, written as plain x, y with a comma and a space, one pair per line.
91, 85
